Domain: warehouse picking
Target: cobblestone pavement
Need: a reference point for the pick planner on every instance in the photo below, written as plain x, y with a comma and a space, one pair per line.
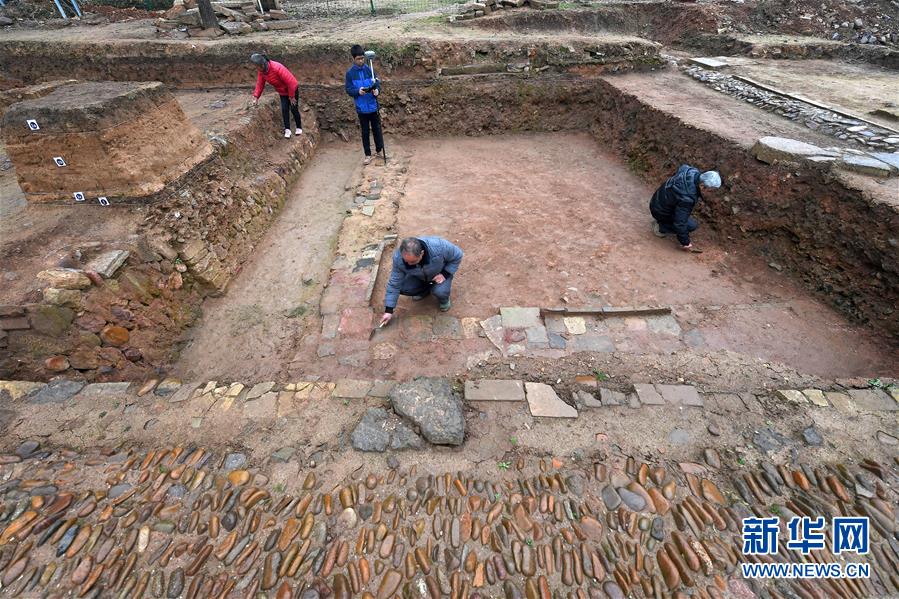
118, 517
189, 522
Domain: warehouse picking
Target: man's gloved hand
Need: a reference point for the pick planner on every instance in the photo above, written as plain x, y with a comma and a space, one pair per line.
363, 91
385, 319
376, 92
439, 279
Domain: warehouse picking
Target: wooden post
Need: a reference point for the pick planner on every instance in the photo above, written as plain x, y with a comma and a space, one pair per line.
207, 15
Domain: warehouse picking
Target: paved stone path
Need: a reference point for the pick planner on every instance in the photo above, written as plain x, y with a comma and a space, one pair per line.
188, 522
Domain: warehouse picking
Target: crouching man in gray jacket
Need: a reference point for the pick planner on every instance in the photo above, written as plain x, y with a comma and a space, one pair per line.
422, 266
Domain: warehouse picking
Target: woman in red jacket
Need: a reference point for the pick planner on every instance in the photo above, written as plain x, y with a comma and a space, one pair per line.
284, 83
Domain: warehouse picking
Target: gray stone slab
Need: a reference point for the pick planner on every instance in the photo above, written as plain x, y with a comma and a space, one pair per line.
681, 395
873, 400
494, 390
816, 396
537, 335
791, 395
515, 317
493, 329
447, 327
706, 62
587, 399
433, 406
648, 395
774, 149
56, 392
866, 165
663, 325
381, 389
351, 389
104, 391
611, 398
108, 263
18, 389
543, 401
594, 343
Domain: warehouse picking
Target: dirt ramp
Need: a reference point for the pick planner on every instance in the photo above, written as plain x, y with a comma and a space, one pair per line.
118, 140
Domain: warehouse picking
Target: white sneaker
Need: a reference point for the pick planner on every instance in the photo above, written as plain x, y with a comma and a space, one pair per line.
298, 132
287, 134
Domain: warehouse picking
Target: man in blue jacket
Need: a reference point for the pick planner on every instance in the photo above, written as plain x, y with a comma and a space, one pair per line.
673, 202
361, 85
422, 266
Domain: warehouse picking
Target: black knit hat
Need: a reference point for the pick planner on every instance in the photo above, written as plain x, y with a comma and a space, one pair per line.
357, 50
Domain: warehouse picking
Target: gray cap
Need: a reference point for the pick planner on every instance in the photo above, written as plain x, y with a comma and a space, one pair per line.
710, 179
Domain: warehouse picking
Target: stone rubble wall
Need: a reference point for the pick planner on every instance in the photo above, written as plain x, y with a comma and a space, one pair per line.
120, 312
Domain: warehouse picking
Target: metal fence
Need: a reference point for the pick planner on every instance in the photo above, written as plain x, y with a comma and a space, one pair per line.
339, 8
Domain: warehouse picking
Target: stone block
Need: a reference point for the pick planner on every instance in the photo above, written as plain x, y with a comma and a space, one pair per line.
816, 396
62, 297
56, 392
587, 399
777, 149
891, 158
543, 402
841, 401
873, 400
680, 395
285, 24
648, 395
16, 390
260, 389
866, 165
575, 325
355, 323
705, 62
108, 263
493, 330
663, 325
791, 395
381, 389
351, 389
51, 320
494, 390
447, 327
64, 278
433, 407
557, 341
608, 397
183, 393
592, 343
15, 323
104, 391
515, 317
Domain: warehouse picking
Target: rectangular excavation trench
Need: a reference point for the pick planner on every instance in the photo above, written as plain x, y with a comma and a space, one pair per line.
548, 207
464, 137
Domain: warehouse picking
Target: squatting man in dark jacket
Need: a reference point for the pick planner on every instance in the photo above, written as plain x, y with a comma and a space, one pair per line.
673, 202
422, 266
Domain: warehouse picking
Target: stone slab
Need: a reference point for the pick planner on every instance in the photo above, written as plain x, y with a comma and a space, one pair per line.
351, 389
891, 158
493, 329
259, 389
575, 325
56, 392
816, 396
265, 406
648, 394
108, 263
841, 401
515, 317
608, 397
381, 389
19, 389
791, 395
866, 165
537, 335
494, 390
772, 149
447, 327
594, 343
543, 402
681, 395
587, 399
706, 62
873, 400
104, 391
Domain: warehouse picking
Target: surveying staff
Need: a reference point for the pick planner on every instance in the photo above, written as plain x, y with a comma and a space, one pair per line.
284, 83
422, 266
673, 202
361, 85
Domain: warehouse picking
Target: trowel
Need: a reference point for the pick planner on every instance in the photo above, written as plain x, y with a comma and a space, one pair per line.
375, 330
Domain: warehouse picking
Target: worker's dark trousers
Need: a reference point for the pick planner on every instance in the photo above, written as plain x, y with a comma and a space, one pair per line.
371, 121
419, 287
666, 223
287, 109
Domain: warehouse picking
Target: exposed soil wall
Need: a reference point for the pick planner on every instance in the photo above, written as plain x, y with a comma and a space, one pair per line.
195, 236
841, 244
223, 64
118, 140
